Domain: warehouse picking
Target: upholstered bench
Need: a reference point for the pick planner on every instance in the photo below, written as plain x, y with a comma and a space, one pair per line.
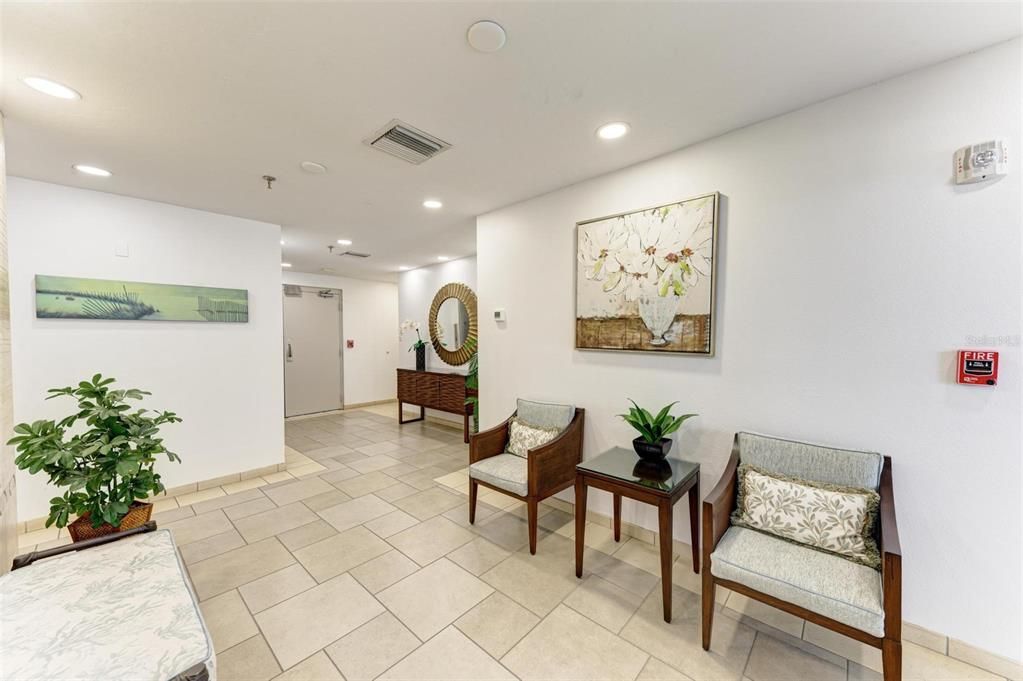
122, 610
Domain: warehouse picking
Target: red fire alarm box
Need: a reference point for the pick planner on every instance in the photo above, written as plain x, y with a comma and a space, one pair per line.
349, 344
977, 367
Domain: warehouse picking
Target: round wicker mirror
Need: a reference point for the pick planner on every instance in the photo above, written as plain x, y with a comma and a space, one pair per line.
453, 323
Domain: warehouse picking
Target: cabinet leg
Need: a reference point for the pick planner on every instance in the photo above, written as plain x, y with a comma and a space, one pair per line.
694, 524
618, 516
580, 525
664, 526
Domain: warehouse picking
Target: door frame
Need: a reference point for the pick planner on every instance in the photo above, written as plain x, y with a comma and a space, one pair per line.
340, 346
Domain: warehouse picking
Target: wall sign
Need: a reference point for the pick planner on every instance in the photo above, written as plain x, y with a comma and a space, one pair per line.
977, 367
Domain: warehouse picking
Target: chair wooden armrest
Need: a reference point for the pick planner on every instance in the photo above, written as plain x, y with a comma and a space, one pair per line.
891, 556
553, 464
488, 443
718, 505
29, 558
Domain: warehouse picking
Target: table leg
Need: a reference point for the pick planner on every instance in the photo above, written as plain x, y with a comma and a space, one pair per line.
618, 516
465, 427
580, 524
694, 524
664, 527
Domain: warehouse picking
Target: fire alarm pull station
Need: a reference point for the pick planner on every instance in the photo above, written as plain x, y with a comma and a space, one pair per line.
349, 344
977, 367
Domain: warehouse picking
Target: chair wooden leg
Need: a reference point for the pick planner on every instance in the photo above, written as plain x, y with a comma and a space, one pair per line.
891, 659
532, 503
474, 488
708, 606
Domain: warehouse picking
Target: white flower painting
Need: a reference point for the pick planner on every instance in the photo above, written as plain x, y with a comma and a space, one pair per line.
645, 280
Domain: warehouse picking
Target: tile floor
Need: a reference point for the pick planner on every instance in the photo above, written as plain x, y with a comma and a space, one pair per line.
359, 563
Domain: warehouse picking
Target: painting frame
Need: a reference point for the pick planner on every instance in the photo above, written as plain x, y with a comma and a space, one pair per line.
710, 349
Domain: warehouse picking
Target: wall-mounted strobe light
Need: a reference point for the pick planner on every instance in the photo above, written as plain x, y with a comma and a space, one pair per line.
613, 131
91, 170
980, 162
486, 36
51, 87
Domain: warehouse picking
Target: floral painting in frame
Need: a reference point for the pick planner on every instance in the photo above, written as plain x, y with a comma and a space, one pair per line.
645, 280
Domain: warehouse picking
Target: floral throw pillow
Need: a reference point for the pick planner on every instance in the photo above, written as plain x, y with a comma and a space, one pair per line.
522, 437
829, 518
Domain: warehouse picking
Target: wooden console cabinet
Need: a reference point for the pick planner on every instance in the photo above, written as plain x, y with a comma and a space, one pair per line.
436, 390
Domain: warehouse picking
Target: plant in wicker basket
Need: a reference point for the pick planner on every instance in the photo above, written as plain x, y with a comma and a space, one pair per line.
107, 466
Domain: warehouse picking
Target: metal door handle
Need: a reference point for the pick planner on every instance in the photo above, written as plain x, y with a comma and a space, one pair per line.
290, 356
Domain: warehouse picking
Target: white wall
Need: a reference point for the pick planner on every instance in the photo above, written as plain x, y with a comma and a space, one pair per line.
8, 502
369, 316
850, 270
224, 380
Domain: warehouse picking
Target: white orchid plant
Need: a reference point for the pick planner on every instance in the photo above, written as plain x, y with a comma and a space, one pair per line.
409, 325
665, 250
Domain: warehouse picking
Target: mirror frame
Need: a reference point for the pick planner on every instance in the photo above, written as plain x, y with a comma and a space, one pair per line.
467, 297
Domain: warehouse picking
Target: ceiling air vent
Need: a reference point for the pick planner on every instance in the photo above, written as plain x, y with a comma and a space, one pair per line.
407, 143
292, 291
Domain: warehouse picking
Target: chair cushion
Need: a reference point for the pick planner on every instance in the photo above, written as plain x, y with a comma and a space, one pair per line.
821, 582
546, 415
119, 612
507, 471
846, 467
522, 437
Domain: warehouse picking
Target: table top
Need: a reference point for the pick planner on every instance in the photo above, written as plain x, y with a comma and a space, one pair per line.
624, 465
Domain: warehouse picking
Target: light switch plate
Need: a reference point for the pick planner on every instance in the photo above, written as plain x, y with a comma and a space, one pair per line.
121, 248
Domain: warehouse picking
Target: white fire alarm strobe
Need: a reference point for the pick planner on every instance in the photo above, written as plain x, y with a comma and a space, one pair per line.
980, 162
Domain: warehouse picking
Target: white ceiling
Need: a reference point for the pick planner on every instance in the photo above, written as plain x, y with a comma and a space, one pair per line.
190, 103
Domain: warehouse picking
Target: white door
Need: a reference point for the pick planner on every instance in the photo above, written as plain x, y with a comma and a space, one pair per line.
312, 350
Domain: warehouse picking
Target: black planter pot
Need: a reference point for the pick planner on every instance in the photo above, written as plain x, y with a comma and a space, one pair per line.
652, 470
421, 358
652, 452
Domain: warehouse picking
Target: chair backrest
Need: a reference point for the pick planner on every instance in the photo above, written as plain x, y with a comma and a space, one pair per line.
545, 414
819, 463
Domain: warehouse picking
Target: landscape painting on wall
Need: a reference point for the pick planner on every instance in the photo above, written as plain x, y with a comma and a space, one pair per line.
645, 280
75, 298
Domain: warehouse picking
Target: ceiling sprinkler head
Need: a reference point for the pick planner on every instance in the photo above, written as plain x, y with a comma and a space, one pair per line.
269, 179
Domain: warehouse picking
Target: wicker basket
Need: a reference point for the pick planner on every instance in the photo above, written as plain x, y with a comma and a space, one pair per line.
82, 529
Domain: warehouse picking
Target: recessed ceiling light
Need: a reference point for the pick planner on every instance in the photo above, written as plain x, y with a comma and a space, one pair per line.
443, 258
50, 87
345, 242
91, 170
285, 264
612, 131
313, 167
486, 36
404, 268
282, 242
432, 203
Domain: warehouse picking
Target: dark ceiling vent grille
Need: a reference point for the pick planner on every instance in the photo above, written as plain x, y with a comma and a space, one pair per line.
354, 254
292, 291
407, 143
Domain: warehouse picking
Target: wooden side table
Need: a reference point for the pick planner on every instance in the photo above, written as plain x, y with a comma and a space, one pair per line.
661, 484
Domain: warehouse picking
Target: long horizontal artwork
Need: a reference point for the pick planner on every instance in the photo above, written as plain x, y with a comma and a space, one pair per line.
645, 279
77, 298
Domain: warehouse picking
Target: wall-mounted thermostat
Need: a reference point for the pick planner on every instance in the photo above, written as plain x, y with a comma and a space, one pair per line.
499, 315
980, 162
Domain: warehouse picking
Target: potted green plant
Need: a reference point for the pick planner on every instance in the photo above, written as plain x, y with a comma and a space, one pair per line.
419, 346
653, 442
107, 467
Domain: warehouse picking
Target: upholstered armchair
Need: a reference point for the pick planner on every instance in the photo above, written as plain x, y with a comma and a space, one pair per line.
546, 470
849, 598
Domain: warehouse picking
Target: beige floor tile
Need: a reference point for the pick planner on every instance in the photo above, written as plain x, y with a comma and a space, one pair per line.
597, 537
369, 650
302, 625
422, 479
250, 660
655, 670
566, 645
279, 476
606, 604
364, 484
682, 575
384, 570
398, 469
392, 523
773, 660
843, 646
226, 500
429, 503
556, 520
211, 546
642, 555
164, 504
305, 470
318, 530
232, 569
198, 527
228, 620
249, 508
202, 495
297, 491
528, 583
497, 624
275, 521
429, 600
622, 574
326, 500
498, 500
275, 588
744, 608
448, 656
965, 653
374, 463
30, 539
243, 485
478, 556
338, 473
171, 515
506, 530
922, 664
378, 447
680, 644
340, 553
318, 667
399, 490
429, 540
362, 509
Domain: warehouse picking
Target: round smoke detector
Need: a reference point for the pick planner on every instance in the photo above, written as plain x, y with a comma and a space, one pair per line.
313, 167
486, 36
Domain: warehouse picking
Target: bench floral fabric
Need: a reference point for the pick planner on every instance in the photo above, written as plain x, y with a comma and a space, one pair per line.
124, 611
